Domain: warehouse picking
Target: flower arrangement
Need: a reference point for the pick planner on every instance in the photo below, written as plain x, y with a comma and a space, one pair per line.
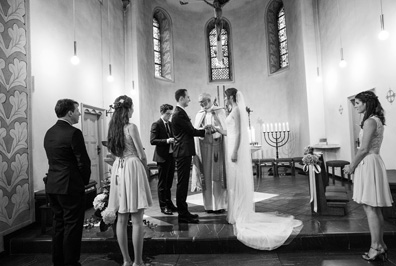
310, 159
100, 204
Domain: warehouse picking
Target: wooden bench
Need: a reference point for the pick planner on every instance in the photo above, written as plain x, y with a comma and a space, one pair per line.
332, 202
43, 209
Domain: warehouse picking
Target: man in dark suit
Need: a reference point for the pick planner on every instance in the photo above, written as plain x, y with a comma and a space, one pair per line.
162, 137
69, 172
184, 133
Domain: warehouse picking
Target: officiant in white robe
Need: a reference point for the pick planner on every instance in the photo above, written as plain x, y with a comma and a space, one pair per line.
209, 175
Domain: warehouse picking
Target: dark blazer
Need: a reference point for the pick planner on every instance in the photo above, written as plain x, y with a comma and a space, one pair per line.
158, 137
184, 133
69, 164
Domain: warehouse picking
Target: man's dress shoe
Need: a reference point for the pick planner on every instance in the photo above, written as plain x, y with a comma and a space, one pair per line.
172, 208
187, 219
195, 216
166, 211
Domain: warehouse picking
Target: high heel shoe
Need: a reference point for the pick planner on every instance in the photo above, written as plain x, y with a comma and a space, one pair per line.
385, 252
381, 254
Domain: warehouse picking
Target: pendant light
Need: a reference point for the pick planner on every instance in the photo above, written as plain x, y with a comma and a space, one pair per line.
110, 77
383, 35
74, 60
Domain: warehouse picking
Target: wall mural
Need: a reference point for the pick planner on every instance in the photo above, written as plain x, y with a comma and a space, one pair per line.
15, 187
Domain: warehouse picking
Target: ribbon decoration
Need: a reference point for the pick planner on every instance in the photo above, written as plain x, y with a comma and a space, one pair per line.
312, 168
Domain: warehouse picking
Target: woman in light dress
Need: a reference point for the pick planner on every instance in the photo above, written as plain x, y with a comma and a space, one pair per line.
264, 231
129, 191
371, 186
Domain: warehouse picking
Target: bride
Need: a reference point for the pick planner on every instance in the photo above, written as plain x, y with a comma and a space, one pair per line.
264, 231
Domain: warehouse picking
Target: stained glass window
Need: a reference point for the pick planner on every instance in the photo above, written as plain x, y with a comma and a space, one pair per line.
220, 70
278, 54
283, 52
162, 45
157, 48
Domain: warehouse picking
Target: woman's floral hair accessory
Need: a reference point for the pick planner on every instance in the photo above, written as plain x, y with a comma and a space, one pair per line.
118, 104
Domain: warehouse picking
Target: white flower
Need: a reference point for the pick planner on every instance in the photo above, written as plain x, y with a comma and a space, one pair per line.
100, 201
108, 216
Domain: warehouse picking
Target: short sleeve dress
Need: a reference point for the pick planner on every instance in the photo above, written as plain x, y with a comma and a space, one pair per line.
371, 186
129, 186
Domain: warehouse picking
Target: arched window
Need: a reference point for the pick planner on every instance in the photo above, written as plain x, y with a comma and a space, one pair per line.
219, 70
277, 37
162, 39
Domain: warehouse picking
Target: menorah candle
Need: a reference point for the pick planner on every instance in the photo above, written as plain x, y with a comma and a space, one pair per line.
276, 127
287, 126
263, 126
272, 128
283, 127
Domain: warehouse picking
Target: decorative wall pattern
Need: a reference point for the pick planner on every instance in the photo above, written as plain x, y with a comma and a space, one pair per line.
166, 43
15, 194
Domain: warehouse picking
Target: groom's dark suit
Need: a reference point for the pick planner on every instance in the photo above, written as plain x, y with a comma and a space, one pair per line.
69, 172
184, 148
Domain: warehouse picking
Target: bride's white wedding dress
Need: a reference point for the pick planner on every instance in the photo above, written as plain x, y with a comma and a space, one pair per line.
264, 231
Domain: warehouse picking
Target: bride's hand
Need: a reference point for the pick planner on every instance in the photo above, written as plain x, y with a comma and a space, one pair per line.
234, 157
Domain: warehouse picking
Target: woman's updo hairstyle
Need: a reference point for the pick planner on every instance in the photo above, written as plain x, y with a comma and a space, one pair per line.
231, 92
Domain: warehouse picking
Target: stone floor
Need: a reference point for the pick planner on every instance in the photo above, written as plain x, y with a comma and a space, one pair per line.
273, 258
323, 240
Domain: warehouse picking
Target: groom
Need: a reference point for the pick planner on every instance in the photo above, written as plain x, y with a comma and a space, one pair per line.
184, 133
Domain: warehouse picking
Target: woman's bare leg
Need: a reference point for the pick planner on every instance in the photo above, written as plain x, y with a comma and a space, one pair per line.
122, 235
137, 236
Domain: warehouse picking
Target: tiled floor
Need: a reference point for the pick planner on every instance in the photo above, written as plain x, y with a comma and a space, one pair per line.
323, 240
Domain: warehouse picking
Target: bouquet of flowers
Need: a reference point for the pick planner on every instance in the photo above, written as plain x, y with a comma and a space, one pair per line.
100, 204
310, 158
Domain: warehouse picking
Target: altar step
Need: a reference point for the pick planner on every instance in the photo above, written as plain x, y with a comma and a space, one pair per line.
186, 245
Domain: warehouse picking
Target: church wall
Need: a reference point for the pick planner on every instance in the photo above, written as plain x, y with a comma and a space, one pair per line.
55, 77
271, 97
371, 64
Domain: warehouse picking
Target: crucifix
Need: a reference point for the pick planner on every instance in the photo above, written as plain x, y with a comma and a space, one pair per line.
218, 12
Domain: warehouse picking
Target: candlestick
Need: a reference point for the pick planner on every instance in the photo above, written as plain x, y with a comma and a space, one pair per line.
224, 95
276, 139
218, 96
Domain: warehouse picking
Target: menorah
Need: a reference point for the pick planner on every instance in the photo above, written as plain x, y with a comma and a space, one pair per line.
276, 136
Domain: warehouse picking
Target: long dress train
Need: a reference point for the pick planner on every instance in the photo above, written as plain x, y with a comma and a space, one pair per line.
264, 231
